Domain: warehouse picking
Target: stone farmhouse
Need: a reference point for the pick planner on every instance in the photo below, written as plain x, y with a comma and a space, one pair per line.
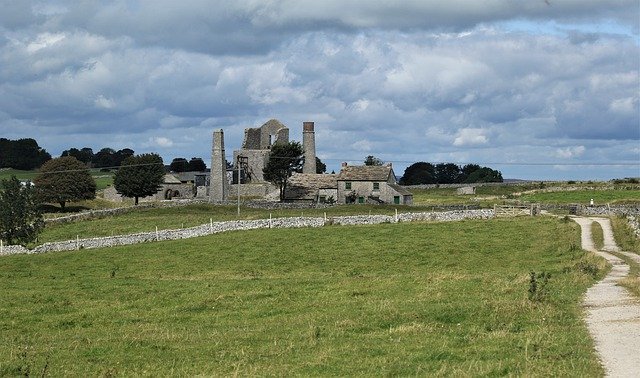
371, 184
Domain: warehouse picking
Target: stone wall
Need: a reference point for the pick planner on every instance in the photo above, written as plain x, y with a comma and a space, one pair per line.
217, 227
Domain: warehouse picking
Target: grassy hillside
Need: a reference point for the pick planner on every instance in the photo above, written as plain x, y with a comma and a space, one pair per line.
395, 299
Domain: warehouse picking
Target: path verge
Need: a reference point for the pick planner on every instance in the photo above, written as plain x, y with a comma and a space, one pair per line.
613, 315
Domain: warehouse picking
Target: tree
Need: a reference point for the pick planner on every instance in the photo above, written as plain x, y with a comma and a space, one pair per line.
20, 217
320, 166
372, 160
179, 165
285, 158
85, 155
63, 180
197, 165
466, 171
419, 173
120, 155
104, 158
484, 174
447, 173
139, 176
22, 154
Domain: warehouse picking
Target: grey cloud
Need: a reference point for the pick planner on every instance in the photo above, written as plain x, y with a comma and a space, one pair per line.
256, 27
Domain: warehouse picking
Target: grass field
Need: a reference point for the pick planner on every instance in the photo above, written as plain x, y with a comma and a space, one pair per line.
396, 299
145, 220
584, 196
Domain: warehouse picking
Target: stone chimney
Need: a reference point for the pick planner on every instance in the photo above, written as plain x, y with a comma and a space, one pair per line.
218, 183
309, 145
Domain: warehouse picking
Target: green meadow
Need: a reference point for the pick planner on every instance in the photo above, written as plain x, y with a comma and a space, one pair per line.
428, 299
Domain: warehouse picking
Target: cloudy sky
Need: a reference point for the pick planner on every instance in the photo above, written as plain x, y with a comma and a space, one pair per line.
537, 89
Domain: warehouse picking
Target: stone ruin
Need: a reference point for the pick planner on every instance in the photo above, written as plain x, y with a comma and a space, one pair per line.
252, 157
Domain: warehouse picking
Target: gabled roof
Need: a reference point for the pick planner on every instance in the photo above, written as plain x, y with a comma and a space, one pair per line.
365, 173
171, 179
306, 185
401, 190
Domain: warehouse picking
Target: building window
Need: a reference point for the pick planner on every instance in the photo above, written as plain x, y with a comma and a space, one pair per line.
347, 185
376, 186
396, 200
360, 199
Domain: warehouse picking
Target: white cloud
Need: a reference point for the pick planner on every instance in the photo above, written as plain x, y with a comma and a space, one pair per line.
103, 102
570, 152
362, 145
162, 142
44, 40
470, 137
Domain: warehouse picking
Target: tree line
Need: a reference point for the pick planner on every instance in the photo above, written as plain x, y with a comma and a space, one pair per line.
442, 173
23, 154
448, 173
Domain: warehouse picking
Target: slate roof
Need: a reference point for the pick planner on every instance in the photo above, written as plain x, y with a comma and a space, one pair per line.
365, 173
305, 186
401, 190
171, 179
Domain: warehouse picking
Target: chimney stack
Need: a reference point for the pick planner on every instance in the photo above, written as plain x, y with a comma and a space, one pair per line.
309, 145
218, 184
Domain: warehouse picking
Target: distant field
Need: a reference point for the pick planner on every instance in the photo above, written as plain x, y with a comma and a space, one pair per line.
583, 196
103, 179
397, 299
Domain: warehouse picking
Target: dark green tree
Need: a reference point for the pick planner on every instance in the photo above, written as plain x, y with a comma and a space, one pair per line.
179, 165
197, 165
20, 217
64, 179
320, 166
466, 171
447, 173
22, 154
120, 155
484, 174
85, 155
419, 173
372, 160
104, 158
285, 158
139, 176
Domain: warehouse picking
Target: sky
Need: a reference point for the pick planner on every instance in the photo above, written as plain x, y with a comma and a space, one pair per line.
539, 90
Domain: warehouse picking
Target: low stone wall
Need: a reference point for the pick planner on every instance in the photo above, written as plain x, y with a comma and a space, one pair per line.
611, 210
634, 222
217, 227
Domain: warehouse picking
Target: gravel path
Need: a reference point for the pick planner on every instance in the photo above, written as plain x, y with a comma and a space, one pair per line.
613, 315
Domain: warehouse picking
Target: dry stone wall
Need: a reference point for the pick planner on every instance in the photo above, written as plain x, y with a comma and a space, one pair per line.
217, 227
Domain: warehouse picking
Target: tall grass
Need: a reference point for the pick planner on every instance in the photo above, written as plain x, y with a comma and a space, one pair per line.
394, 299
597, 235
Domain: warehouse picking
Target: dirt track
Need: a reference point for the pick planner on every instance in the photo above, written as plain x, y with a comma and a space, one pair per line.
613, 314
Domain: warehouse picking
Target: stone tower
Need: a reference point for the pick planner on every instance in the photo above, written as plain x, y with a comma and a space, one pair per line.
218, 183
309, 145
